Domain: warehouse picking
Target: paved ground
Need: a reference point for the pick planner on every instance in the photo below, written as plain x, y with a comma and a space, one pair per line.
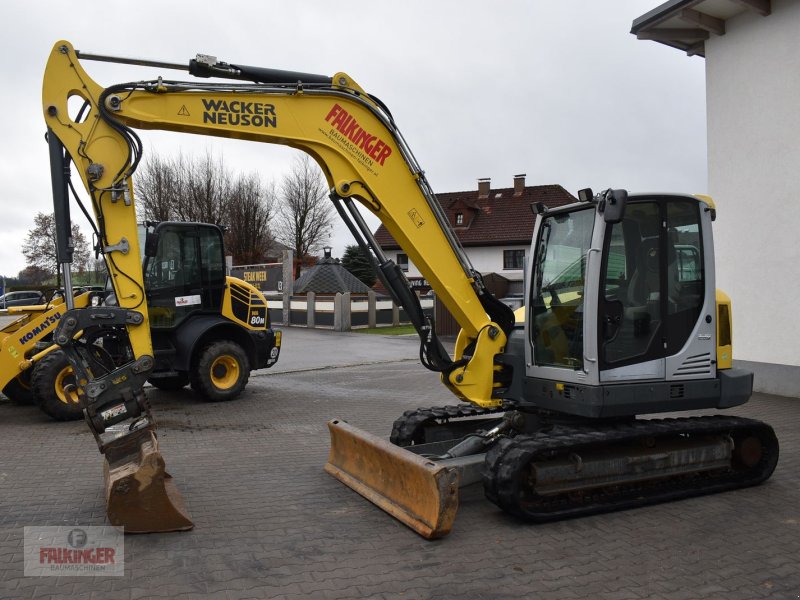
271, 524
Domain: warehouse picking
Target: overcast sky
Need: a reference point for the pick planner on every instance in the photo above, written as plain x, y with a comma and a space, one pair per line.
560, 91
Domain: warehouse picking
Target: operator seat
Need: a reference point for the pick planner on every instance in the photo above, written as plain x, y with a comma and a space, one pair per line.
645, 281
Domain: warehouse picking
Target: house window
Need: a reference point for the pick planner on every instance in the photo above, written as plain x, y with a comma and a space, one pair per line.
459, 218
402, 262
513, 259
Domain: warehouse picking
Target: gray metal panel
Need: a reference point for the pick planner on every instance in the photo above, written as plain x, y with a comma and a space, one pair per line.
689, 363
630, 399
652, 369
591, 298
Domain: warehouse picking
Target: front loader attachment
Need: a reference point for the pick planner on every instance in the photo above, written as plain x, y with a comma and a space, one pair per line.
411, 488
140, 494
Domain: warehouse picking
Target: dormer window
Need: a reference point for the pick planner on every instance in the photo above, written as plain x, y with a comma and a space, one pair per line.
459, 218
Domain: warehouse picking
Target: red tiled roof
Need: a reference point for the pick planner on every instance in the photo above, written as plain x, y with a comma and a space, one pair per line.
501, 219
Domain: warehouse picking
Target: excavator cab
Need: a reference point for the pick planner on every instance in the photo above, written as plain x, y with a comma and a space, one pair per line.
617, 303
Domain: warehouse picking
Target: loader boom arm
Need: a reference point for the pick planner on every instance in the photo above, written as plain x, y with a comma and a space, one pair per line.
349, 133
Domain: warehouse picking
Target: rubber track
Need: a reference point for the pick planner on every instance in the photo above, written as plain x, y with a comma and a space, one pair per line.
408, 429
508, 462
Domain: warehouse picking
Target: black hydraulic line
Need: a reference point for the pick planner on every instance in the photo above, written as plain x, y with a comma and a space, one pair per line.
361, 242
432, 353
135, 146
200, 68
60, 174
498, 312
209, 66
83, 208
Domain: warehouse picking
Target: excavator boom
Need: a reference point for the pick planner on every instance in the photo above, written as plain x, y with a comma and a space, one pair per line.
354, 139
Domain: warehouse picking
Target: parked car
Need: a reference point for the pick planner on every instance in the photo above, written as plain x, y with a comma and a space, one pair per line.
23, 298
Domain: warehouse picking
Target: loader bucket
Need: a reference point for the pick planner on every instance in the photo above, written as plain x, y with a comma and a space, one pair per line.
413, 489
140, 494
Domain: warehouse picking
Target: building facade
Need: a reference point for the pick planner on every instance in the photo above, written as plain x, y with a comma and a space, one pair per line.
752, 54
494, 226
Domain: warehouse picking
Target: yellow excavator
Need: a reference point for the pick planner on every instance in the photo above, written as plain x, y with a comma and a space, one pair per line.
622, 317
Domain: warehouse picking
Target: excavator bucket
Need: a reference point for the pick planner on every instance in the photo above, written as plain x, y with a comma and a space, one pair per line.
140, 494
411, 488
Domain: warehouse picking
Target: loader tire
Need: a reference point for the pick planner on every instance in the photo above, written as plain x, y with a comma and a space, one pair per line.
50, 375
221, 372
170, 384
18, 390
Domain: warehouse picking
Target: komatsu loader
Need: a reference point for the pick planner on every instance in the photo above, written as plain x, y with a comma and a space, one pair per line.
208, 330
622, 316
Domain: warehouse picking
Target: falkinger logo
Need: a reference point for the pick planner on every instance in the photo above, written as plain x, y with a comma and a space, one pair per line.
371, 145
74, 551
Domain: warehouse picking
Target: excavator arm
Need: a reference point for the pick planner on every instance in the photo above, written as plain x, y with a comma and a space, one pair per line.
354, 139
350, 134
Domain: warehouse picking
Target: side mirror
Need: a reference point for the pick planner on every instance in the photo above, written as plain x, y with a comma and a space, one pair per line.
613, 205
585, 195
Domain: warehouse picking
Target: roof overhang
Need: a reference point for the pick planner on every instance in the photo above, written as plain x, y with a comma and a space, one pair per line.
687, 24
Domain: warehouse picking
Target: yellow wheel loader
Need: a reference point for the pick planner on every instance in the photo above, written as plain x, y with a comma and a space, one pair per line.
208, 330
621, 319
23, 344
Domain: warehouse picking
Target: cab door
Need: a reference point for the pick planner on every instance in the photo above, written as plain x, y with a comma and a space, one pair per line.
652, 287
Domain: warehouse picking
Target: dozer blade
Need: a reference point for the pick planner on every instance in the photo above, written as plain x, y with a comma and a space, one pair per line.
413, 489
140, 494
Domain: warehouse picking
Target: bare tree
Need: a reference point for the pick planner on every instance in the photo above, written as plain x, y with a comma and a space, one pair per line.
204, 191
39, 248
249, 210
305, 215
208, 189
160, 185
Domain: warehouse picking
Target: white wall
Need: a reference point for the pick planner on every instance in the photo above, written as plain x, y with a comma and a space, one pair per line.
484, 259
753, 99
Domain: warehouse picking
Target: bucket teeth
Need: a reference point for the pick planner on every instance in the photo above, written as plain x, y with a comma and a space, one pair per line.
411, 488
141, 496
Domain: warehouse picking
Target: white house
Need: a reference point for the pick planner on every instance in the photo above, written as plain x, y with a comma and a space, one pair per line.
495, 226
752, 58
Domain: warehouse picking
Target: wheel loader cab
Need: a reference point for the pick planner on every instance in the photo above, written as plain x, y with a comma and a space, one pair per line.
619, 309
184, 269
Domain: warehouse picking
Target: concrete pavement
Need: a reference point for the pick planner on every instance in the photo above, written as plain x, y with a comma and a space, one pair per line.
269, 523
